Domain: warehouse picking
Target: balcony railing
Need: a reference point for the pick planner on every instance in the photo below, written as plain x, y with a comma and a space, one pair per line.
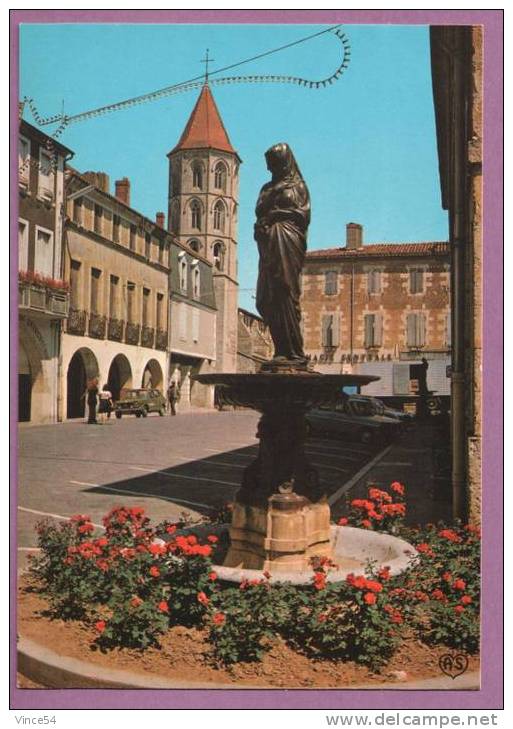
115, 329
161, 339
97, 326
132, 333
44, 300
77, 320
147, 336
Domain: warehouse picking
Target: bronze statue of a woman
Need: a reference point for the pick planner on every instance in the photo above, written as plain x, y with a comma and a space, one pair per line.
283, 215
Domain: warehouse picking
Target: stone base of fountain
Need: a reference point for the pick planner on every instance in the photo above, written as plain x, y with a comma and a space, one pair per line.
280, 537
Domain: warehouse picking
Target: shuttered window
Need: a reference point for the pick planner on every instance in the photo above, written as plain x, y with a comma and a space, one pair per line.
415, 330
374, 281
330, 330
330, 283
448, 329
373, 330
416, 280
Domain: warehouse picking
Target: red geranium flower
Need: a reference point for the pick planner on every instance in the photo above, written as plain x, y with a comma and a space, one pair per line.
459, 609
136, 601
219, 618
163, 606
384, 573
212, 538
366, 523
202, 598
343, 521
397, 488
154, 571
319, 580
370, 598
212, 576
459, 584
438, 594
466, 600
171, 529
100, 626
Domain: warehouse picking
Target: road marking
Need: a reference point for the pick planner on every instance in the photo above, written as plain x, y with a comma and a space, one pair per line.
84, 483
156, 496
330, 468
222, 463
232, 455
53, 516
333, 455
360, 474
395, 463
190, 478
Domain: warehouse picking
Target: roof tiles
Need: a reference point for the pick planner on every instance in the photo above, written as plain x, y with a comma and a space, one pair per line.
205, 128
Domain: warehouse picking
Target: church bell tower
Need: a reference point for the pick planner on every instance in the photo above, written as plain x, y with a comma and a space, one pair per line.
203, 208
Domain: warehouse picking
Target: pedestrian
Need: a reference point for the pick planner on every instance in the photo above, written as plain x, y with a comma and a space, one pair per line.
106, 404
172, 397
92, 401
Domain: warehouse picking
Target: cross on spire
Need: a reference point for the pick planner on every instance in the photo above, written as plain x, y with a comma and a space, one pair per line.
206, 61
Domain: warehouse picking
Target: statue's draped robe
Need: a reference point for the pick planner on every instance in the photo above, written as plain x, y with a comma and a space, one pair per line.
283, 215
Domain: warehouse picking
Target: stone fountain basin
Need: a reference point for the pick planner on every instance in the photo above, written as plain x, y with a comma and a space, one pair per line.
352, 549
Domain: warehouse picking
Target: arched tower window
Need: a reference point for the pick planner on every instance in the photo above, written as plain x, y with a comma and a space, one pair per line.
195, 215
219, 216
194, 245
197, 175
218, 255
220, 176
196, 282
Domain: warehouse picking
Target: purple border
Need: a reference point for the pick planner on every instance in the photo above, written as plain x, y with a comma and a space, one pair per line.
490, 696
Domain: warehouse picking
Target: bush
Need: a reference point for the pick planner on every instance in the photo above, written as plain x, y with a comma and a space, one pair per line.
382, 510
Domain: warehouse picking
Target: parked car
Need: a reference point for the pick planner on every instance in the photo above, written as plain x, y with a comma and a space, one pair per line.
140, 403
353, 420
382, 409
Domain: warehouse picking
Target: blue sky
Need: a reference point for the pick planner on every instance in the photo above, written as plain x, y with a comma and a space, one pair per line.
366, 145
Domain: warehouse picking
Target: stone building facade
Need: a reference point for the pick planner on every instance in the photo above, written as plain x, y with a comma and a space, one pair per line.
193, 318
117, 263
43, 295
254, 343
203, 211
379, 309
457, 73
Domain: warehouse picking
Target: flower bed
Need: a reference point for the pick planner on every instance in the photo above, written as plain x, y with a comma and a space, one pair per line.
134, 590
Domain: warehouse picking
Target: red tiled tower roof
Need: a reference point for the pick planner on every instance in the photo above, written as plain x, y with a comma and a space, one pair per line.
205, 129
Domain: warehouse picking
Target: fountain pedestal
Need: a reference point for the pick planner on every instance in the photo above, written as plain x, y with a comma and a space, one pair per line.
281, 516
281, 536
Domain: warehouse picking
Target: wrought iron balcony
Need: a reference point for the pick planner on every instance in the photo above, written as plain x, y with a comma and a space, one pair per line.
97, 326
43, 300
161, 339
115, 329
77, 320
132, 333
147, 336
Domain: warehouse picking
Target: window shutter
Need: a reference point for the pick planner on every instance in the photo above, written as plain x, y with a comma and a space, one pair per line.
401, 379
378, 330
326, 318
335, 335
411, 324
421, 333
369, 333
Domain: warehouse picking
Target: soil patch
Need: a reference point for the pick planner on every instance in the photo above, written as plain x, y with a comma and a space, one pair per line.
184, 656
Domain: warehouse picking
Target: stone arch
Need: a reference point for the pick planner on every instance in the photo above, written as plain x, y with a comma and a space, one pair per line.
31, 380
195, 245
83, 366
220, 175
218, 254
197, 173
120, 376
153, 376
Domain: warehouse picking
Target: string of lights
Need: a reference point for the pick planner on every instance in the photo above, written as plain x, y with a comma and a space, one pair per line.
195, 83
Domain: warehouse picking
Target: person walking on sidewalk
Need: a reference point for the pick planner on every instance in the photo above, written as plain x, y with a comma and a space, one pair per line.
105, 408
92, 401
172, 397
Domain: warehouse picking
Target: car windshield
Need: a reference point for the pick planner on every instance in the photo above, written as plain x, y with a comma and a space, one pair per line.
135, 394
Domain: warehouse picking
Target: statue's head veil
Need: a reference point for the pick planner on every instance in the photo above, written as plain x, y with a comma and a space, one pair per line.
282, 163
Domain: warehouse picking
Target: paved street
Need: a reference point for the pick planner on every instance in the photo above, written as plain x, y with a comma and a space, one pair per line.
192, 462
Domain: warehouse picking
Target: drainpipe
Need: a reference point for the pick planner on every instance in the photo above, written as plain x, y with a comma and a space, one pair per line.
459, 242
351, 309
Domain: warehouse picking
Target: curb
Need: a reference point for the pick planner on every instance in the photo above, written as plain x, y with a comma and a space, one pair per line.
45, 667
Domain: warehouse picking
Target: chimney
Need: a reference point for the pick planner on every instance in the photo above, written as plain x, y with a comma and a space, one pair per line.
98, 179
354, 235
160, 219
123, 190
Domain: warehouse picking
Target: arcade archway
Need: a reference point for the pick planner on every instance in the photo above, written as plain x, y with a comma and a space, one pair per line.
83, 366
153, 376
120, 376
